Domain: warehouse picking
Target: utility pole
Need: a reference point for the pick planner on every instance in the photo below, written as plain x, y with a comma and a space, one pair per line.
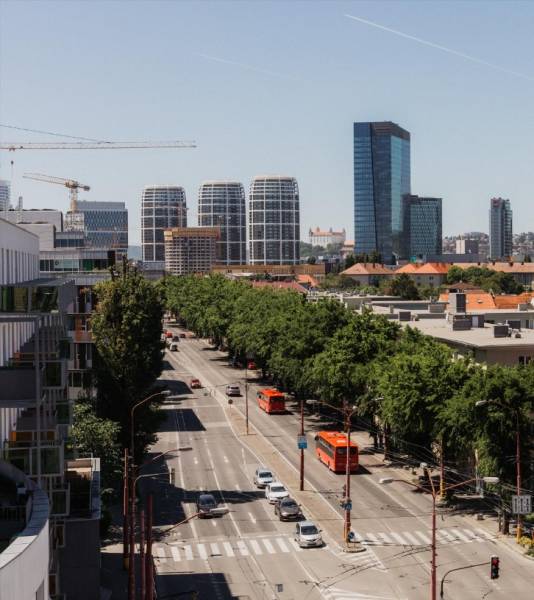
246, 394
142, 556
302, 449
347, 476
518, 474
131, 562
125, 515
149, 561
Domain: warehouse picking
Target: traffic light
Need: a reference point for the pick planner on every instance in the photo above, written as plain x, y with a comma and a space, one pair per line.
494, 568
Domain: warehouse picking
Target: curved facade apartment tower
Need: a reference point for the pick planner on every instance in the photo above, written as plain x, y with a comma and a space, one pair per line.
162, 206
274, 221
222, 204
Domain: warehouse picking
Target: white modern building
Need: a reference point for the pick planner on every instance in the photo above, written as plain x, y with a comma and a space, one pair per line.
36, 215
274, 220
162, 206
222, 204
5, 194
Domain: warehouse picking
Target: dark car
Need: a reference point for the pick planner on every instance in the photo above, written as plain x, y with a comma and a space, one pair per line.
205, 505
286, 509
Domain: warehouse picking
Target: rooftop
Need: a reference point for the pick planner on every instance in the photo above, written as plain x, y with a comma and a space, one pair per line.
368, 269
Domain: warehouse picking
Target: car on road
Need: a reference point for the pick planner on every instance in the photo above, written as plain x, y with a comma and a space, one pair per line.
168, 334
287, 509
307, 535
175, 338
275, 491
181, 334
263, 477
195, 384
233, 390
173, 347
206, 504
251, 365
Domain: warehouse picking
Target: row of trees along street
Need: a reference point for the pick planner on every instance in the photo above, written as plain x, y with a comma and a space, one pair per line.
404, 383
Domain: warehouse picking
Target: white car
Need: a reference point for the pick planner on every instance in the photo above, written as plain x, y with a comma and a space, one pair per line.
263, 477
232, 389
307, 535
275, 491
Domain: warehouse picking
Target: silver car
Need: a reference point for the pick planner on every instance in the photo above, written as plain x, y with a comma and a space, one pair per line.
263, 477
307, 535
275, 491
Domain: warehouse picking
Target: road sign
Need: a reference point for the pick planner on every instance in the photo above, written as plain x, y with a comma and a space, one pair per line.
302, 442
348, 506
522, 505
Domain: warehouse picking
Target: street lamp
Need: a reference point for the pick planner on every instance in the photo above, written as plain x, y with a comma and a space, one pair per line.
517, 454
386, 480
159, 393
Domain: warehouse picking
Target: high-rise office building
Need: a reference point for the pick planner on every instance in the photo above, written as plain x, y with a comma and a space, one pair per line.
500, 227
162, 206
190, 249
105, 224
222, 204
422, 226
5, 194
274, 221
381, 179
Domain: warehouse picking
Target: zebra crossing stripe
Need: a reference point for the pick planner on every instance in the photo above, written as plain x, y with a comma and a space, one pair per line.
449, 538
423, 536
295, 545
160, 554
413, 541
202, 551
175, 554
398, 537
484, 533
460, 535
229, 549
371, 537
188, 552
282, 545
441, 537
256, 547
242, 548
386, 538
215, 549
268, 546
474, 537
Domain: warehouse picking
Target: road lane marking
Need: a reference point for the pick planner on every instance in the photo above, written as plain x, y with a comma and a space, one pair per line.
269, 547
371, 537
225, 458
462, 537
214, 522
412, 539
471, 534
282, 545
215, 549
252, 517
237, 487
188, 553
295, 545
229, 549
256, 547
175, 554
399, 538
160, 554
242, 548
202, 551
423, 536
485, 534
386, 538
195, 460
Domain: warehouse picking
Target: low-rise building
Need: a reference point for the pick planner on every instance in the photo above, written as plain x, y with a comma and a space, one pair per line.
190, 249
284, 272
368, 273
433, 274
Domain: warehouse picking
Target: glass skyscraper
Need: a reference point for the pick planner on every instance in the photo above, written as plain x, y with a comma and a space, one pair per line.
105, 224
500, 227
381, 179
422, 226
222, 204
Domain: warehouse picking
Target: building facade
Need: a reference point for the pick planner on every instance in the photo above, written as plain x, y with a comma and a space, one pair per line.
5, 194
36, 215
274, 221
318, 237
422, 226
381, 179
466, 246
105, 224
222, 204
500, 227
162, 207
190, 249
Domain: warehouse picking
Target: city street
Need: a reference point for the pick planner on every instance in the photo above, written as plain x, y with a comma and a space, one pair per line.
248, 553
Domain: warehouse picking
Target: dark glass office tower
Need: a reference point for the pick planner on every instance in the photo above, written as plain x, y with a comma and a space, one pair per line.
500, 223
381, 179
422, 226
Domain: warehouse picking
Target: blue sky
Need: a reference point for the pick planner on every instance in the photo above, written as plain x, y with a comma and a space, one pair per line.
290, 79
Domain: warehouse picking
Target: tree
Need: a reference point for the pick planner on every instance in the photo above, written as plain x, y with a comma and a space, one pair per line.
92, 435
402, 285
129, 357
311, 260
350, 261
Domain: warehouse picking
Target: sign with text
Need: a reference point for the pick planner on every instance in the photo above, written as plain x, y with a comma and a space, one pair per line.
302, 442
522, 505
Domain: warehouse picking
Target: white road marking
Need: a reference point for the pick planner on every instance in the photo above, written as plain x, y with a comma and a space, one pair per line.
202, 551
282, 545
484, 533
252, 517
411, 539
195, 460
256, 547
386, 538
242, 548
423, 536
460, 535
214, 522
399, 538
215, 549
160, 553
295, 545
269, 547
372, 538
188, 553
175, 553
237, 487
228, 548
225, 458
470, 534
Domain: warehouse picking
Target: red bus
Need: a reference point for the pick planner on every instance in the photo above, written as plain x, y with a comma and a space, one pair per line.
331, 449
271, 401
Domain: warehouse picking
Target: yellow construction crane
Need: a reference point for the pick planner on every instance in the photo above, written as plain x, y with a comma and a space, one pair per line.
13, 146
71, 184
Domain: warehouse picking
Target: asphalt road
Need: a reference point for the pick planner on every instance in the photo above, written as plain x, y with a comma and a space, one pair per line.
250, 554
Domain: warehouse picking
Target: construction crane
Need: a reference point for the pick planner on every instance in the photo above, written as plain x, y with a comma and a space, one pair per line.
13, 146
71, 184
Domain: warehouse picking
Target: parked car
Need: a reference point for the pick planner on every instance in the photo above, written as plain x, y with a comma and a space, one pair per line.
307, 535
233, 390
287, 509
175, 338
168, 334
195, 384
173, 347
251, 365
275, 491
181, 334
206, 503
262, 477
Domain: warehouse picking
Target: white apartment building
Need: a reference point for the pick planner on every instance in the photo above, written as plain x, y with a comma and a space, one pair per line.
190, 249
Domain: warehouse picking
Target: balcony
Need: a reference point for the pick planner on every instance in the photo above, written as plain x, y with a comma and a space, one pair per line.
17, 387
83, 476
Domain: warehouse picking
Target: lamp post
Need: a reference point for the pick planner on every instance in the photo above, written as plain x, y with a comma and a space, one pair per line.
132, 411
517, 455
301, 487
386, 480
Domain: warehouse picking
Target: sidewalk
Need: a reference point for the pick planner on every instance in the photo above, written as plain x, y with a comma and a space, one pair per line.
114, 579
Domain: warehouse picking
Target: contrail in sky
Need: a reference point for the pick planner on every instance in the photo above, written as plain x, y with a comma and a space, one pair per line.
442, 48
243, 65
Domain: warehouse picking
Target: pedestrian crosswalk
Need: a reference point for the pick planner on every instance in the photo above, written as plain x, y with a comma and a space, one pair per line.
178, 552
334, 593
452, 535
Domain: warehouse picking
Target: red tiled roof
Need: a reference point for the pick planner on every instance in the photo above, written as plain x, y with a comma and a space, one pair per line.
474, 300
368, 269
307, 279
512, 300
425, 269
281, 285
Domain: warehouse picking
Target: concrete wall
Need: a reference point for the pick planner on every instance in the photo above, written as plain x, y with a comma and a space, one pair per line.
24, 563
